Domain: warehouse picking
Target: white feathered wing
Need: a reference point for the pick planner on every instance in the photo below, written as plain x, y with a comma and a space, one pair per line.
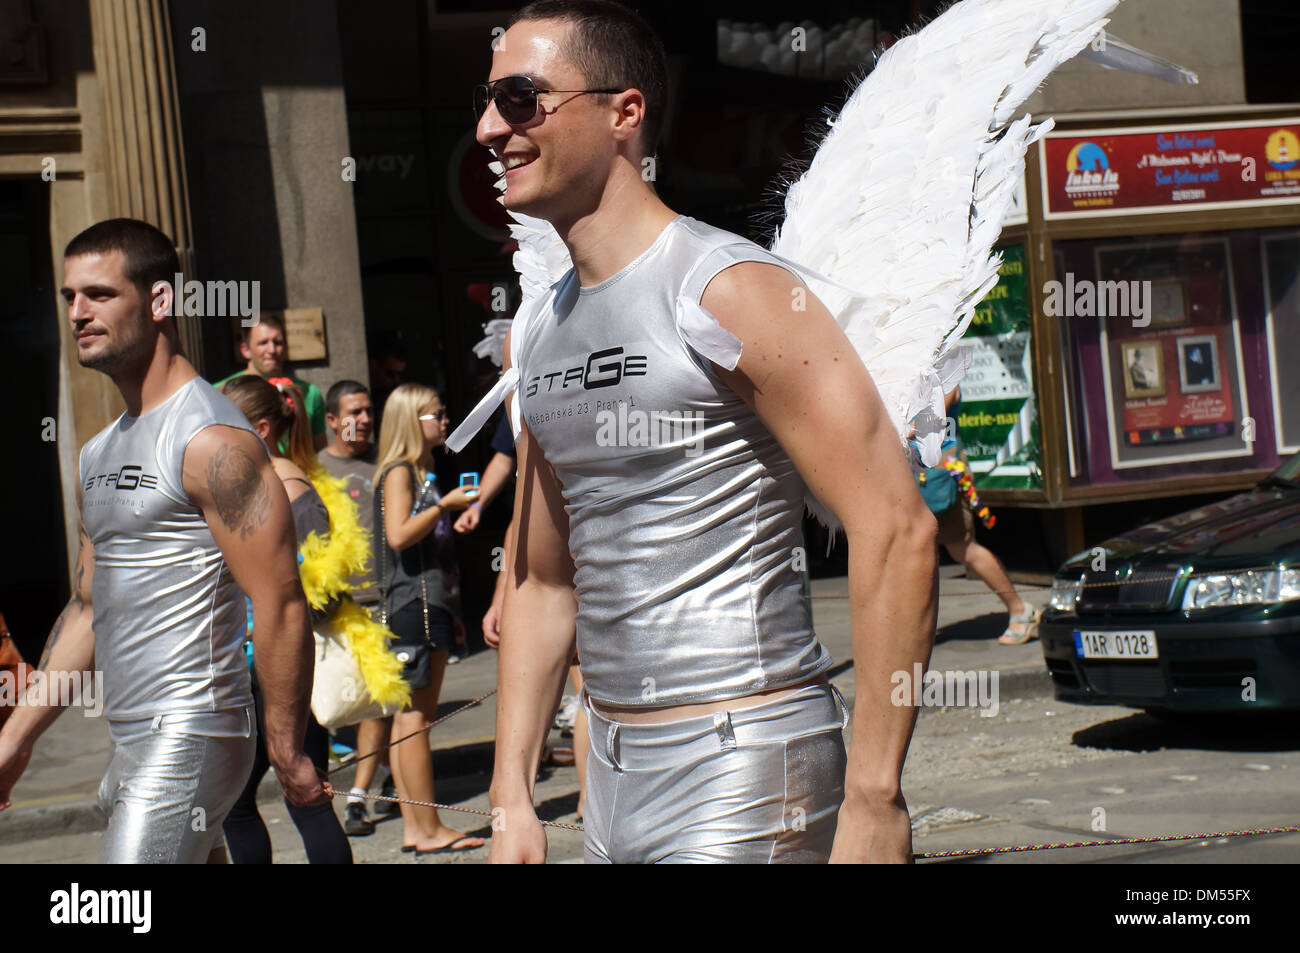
908, 191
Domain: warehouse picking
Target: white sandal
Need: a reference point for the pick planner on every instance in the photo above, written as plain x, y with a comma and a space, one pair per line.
1029, 620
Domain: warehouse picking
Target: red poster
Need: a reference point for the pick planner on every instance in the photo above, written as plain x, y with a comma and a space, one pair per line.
1175, 382
1168, 168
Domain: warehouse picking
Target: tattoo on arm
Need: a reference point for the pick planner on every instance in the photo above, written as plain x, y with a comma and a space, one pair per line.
55, 632
238, 490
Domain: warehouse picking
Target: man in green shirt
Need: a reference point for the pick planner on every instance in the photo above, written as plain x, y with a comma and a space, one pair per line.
265, 349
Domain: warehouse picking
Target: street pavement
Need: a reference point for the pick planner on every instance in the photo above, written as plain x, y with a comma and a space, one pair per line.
1036, 771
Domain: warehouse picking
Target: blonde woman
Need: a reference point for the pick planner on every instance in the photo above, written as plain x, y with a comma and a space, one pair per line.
418, 580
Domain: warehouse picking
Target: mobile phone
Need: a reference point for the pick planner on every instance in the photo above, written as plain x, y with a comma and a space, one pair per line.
469, 479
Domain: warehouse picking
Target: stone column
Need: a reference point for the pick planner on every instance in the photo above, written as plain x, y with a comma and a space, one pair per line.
144, 154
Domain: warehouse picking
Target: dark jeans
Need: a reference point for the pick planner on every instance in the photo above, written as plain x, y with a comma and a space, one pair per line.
246, 834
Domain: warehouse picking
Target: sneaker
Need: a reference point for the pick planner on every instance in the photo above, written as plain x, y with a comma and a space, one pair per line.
385, 808
357, 824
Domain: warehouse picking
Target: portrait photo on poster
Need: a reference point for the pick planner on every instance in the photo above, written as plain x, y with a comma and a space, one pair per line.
1144, 371
1198, 363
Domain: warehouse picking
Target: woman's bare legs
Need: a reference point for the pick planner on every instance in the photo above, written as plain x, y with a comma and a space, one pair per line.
981, 562
412, 766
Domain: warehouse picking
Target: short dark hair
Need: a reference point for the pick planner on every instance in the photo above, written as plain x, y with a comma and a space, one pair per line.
272, 318
612, 47
341, 389
150, 255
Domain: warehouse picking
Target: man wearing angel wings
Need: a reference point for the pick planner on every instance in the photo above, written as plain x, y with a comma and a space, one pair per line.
677, 391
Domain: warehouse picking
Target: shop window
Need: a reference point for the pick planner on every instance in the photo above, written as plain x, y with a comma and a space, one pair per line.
1167, 370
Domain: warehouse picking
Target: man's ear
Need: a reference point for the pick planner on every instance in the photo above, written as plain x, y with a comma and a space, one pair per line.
162, 300
331, 421
631, 113
244, 351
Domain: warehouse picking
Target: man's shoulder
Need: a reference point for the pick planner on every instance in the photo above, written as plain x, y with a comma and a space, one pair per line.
692, 229
715, 250
229, 377
201, 412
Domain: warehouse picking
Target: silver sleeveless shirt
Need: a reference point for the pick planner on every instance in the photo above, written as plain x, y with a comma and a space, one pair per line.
169, 619
684, 510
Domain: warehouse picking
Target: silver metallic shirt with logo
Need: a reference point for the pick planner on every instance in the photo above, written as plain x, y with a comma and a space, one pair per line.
169, 619
684, 510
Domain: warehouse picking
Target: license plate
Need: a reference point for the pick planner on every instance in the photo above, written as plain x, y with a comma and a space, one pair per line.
1138, 644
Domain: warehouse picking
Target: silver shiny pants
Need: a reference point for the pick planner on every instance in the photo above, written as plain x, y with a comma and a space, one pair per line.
171, 781
756, 785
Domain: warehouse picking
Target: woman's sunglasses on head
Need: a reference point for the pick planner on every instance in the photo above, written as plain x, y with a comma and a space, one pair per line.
516, 98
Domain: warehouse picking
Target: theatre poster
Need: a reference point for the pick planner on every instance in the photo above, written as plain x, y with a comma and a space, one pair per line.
1173, 372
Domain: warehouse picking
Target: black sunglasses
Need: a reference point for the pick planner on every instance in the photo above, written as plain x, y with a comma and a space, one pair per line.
516, 98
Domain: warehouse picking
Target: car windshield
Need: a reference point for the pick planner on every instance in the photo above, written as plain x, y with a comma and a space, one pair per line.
1289, 471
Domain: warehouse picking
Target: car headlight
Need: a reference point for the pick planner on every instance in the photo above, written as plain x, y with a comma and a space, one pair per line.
1249, 587
1065, 593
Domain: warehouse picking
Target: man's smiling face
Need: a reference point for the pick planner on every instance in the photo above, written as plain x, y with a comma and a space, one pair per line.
557, 161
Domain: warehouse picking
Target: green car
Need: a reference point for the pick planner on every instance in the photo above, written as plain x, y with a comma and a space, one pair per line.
1197, 612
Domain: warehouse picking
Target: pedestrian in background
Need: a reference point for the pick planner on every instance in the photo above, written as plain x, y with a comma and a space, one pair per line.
418, 580
957, 534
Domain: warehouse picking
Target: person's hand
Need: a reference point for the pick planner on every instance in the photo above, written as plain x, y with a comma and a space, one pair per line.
13, 761
467, 522
873, 832
492, 625
303, 785
459, 498
517, 836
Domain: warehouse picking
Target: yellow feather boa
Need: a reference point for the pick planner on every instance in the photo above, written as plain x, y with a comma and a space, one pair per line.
326, 568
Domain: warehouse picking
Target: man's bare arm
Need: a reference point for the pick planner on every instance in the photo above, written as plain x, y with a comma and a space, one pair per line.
70, 647
492, 620
537, 637
499, 470
228, 475
800, 373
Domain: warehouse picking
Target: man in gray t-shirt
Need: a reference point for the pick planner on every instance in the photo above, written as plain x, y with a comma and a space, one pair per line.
350, 456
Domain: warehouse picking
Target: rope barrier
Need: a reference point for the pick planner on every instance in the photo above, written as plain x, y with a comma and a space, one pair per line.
450, 807
944, 854
433, 724
1157, 839
931, 855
